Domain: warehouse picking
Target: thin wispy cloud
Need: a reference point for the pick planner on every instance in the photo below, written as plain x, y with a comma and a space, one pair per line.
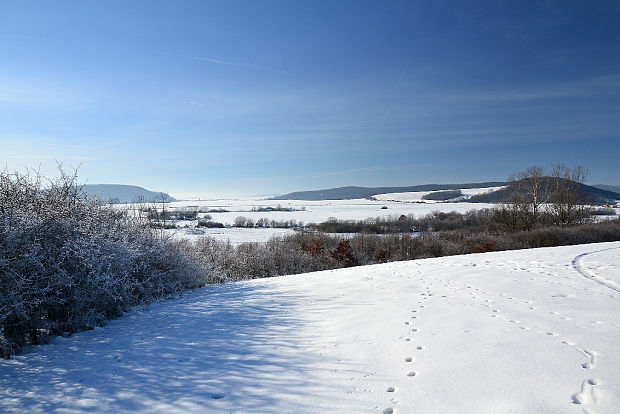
231, 63
596, 86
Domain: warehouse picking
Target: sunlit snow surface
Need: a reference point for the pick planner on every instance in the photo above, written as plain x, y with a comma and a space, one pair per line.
319, 211
233, 235
530, 331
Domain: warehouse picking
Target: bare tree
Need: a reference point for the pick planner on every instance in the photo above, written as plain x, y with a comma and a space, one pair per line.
531, 183
535, 196
511, 214
521, 209
568, 202
163, 200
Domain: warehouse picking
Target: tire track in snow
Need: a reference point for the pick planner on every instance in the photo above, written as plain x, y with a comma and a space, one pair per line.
581, 268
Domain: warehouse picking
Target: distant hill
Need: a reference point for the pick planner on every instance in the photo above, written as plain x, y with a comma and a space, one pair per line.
593, 195
120, 193
614, 188
347, 193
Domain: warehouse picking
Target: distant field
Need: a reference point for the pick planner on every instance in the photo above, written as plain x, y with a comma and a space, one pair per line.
232, 234
318, 211
305, 211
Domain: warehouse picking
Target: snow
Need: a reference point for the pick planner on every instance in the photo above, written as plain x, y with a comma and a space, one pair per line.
416, 196
304, 212
530, 331
319, 211
233, 235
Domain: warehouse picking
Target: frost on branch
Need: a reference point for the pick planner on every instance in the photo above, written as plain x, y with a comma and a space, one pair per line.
68, 262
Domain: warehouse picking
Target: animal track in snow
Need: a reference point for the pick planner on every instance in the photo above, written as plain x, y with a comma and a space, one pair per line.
592, 355
411, 374
409, 359
217, 396
390, 389
388, 411
588, 392
419, 347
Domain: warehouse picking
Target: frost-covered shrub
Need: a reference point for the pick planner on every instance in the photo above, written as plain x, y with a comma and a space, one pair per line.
311, 251
68, 263
474, 220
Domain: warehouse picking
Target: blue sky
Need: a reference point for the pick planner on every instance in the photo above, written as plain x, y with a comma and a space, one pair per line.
260, 97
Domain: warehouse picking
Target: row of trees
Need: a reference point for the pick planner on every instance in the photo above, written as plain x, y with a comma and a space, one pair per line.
538, 197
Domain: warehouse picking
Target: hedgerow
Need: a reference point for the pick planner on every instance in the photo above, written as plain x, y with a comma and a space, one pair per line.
68, 263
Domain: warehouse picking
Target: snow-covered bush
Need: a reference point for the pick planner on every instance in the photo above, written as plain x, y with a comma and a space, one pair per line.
68, 263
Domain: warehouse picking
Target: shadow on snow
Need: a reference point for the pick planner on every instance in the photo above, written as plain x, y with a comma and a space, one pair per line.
231, 347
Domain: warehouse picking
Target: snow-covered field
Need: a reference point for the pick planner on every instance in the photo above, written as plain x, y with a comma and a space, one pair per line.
304, 212
416, 196
531, 331
233, 235
319, 211
312, 212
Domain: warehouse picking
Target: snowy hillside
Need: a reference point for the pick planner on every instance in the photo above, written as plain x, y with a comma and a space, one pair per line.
416, 196
532, 331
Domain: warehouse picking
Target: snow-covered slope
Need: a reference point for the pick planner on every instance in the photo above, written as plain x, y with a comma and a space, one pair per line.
532, 331
416, 196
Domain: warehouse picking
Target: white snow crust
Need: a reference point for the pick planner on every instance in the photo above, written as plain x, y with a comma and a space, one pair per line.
530, 331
